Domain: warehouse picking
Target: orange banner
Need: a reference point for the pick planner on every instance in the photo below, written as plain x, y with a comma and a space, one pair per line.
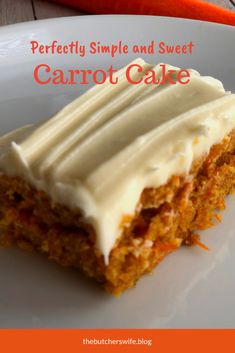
116, 340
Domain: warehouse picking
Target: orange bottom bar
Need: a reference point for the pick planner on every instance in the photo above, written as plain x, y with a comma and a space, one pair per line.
116, 340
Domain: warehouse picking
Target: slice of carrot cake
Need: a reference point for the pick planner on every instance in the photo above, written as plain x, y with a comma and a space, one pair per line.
120, 177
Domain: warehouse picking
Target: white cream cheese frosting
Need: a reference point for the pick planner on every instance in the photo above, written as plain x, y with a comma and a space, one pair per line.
104, 148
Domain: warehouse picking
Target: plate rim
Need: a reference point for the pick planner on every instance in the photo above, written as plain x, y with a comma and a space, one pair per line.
57, 20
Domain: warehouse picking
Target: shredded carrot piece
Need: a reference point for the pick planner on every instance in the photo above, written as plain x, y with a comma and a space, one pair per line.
166, 247
126, 219
203, 246
218, 217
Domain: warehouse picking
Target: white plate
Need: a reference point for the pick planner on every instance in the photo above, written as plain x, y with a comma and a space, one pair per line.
190, 288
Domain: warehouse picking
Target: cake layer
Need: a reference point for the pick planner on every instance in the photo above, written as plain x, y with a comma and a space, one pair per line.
101, 151
170, 216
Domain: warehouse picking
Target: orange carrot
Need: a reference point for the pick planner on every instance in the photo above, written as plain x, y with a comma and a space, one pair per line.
218, 217
166, 247
203, 246
194, 9
126, 220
